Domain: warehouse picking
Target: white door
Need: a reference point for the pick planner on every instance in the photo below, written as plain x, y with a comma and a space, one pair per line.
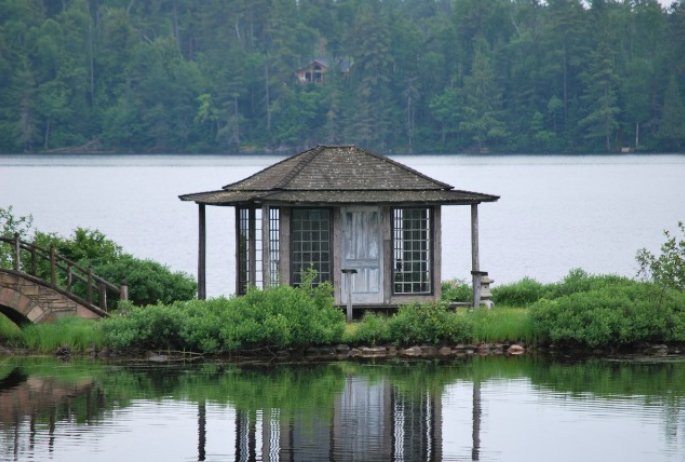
362, 251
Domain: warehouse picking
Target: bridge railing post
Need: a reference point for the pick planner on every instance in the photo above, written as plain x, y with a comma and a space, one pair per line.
34, 261
53, 266
102, 296
17, 257
89, 289
70, 277
123, 291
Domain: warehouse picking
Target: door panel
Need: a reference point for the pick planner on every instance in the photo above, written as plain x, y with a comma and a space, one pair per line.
362, 251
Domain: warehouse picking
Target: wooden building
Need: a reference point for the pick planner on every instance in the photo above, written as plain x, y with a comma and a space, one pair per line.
341, 209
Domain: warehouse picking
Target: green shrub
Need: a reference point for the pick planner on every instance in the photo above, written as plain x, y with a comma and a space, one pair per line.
456, 290
373, 329
149, 282
429, 323
277, 317
154, 327
617, 314
521, 293
667, 269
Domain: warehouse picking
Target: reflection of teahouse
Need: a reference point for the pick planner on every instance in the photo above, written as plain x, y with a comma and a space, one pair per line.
335, 208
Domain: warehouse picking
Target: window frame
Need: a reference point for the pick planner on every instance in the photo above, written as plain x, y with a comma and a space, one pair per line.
294, 273
396, 234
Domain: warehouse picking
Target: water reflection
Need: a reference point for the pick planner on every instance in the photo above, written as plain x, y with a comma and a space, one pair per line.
470, 409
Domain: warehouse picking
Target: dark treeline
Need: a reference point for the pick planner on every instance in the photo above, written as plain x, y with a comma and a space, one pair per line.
402, 75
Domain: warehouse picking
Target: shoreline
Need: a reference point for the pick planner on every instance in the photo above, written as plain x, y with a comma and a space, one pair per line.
341, 352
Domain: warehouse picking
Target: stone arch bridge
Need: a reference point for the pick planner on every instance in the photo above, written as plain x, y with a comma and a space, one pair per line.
42, 286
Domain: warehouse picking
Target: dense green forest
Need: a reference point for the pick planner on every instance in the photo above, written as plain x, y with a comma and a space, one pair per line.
402, 75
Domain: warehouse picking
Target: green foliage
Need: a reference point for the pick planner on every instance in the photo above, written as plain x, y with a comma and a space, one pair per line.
429, 323
11, 225
76, 333
149, 282
373, 329
423, 76
149, 328
668, 269
521, 293
501, 324
8, 329
277, 317
614, 315
456, 290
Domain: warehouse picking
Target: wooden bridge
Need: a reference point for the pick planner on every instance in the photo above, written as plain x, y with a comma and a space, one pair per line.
38, 285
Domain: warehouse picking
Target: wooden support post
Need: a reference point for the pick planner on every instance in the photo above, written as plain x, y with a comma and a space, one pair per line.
90, 285
34, 262
202, 255
53, 266
347, 274
123, 291
475, 256
102, 296
70, 277
17, 254
266, 246
252, 246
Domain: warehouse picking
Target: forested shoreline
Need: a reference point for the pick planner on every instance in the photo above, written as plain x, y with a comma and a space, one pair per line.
401, 76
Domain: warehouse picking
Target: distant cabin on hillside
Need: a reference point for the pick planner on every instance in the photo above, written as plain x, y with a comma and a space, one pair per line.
340, 209
315, 71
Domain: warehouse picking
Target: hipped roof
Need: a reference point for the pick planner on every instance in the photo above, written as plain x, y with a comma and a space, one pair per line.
338, 175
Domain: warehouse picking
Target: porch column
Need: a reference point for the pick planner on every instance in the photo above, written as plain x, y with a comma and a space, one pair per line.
475, 256
202, 255
266, 246
252, 248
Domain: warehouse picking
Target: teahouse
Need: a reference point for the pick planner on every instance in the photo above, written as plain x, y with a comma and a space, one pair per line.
347, 213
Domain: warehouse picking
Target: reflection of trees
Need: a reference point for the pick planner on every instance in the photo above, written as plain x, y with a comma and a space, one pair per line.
390, 411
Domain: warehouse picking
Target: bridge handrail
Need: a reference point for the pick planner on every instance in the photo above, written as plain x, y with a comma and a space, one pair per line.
61, 262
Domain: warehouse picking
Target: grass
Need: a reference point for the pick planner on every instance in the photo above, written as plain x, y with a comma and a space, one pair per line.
502, 324
76, 333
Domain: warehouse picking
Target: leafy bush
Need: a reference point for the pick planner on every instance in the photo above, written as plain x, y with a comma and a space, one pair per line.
668, 269
457, 290
429, 323
9, 226
373, 329
522, 293
278, 317
615, 315
149, 282
151, 328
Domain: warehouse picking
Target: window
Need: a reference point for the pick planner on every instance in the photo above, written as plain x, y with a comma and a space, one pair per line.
412, 250
311, 238
249, 249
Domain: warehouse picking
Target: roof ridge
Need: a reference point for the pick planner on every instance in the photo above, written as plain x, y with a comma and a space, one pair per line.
307, 156
407, 168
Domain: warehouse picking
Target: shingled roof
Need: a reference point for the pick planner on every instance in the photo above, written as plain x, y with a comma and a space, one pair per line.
338, 175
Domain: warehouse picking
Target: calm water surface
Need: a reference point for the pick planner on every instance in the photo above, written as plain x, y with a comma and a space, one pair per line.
556, 213
488, 409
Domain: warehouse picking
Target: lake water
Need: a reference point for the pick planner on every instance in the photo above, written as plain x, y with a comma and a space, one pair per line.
556, 213
475, 408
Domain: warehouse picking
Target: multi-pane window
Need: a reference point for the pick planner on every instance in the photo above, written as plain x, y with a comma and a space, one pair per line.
411, 250
274, 246
249, 248
311, 240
